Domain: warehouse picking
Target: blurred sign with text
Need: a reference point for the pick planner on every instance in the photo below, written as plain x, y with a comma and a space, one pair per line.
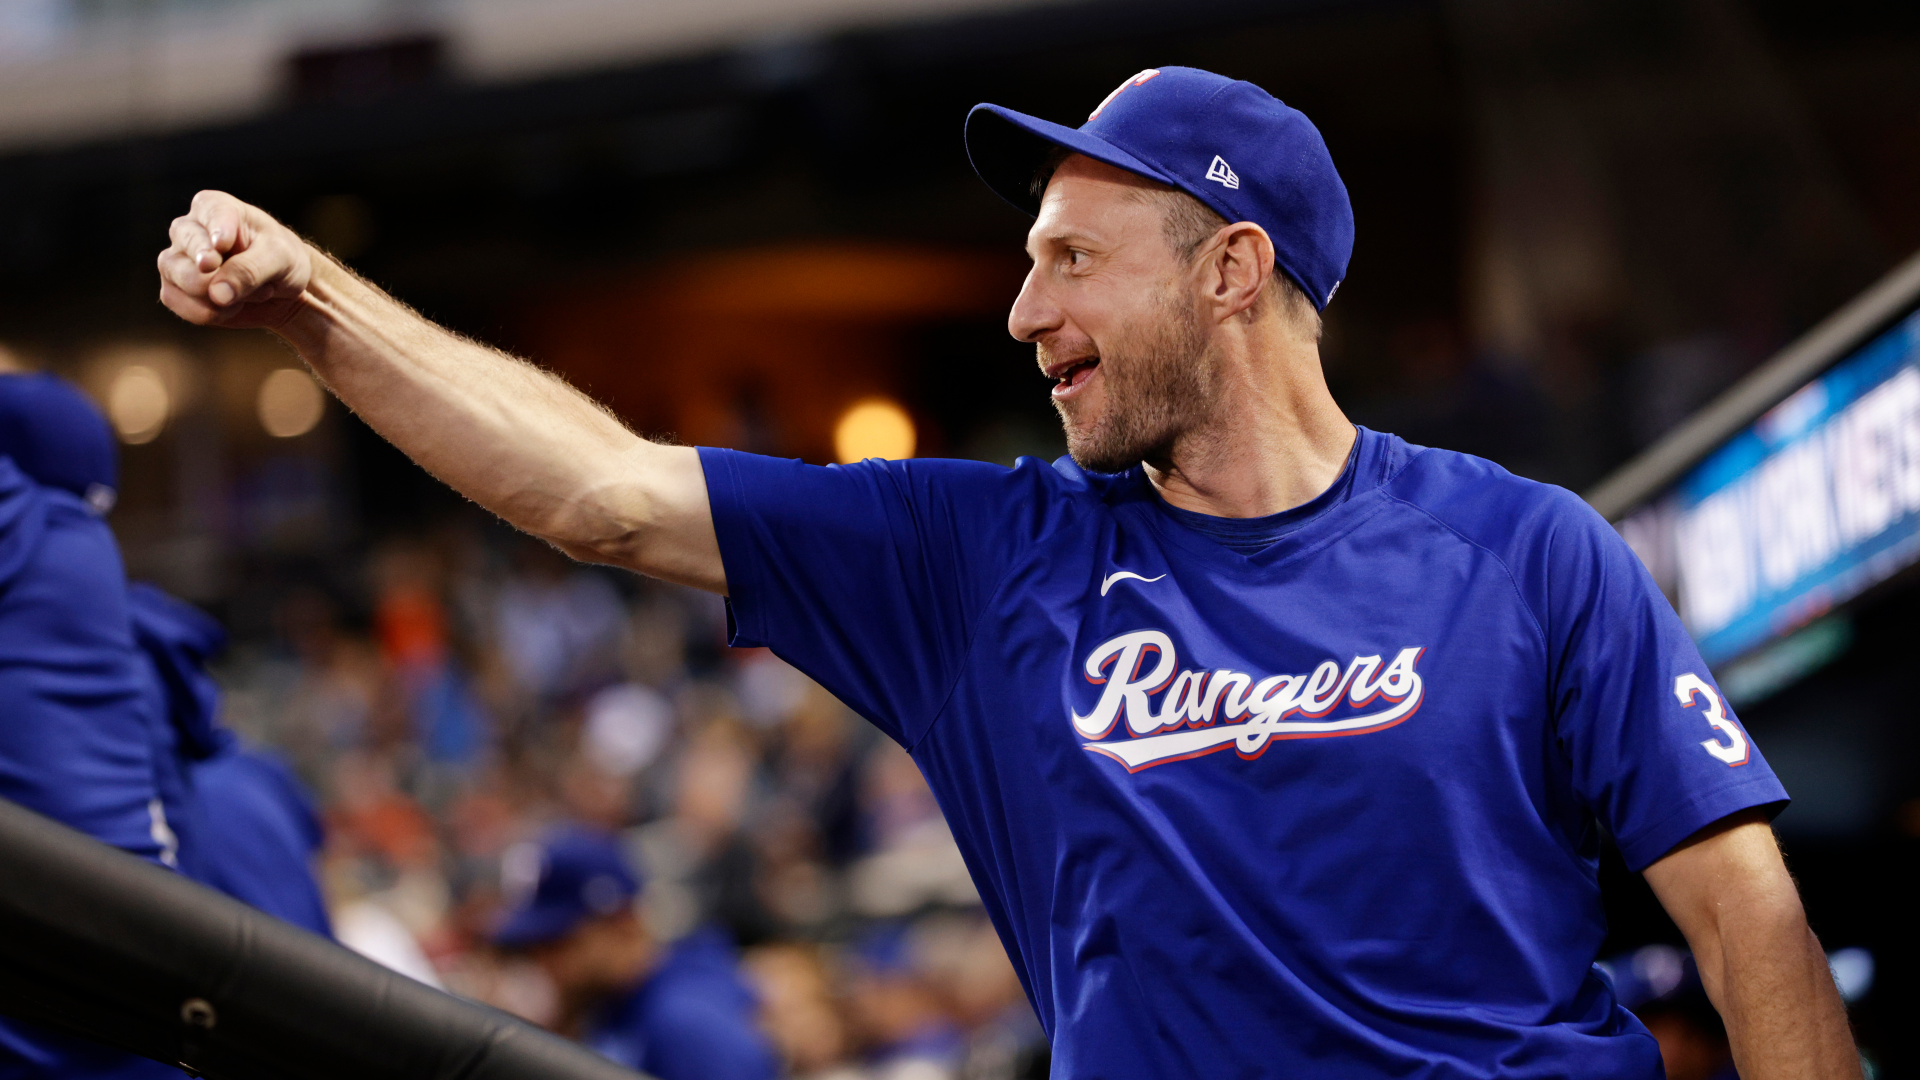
1808, 507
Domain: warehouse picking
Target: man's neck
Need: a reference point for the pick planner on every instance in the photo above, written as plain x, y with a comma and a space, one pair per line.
1275, 439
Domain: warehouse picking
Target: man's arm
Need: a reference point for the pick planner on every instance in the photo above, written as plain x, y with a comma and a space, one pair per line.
511, 437
1729, 892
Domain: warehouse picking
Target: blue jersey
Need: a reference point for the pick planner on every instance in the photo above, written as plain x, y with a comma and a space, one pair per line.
75, 738
259, 834
75, 719
692, 1018
1330, 809
245, 824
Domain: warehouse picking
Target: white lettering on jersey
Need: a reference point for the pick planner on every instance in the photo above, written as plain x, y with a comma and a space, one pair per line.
162, 833
1734, 750
1134, 667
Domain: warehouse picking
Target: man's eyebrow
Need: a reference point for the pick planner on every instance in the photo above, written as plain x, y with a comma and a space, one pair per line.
1064, 238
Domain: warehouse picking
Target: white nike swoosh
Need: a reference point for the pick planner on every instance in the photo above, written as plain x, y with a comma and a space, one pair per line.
1122, 575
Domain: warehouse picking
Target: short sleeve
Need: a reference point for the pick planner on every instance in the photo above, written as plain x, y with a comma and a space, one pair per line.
870, 577
1656, 751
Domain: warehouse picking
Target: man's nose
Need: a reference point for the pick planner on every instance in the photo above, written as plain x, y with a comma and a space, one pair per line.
1034, 313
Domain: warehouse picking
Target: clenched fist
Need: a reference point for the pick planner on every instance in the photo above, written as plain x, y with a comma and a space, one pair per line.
232, 264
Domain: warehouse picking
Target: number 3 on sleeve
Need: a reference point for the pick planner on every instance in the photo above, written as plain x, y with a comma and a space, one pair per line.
1734, 750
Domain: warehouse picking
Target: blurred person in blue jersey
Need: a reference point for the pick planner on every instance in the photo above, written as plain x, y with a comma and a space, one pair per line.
226, 816
112, 712
246, 825
679, 1011
76, 743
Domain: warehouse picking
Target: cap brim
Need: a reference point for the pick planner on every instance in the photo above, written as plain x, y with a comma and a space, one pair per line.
1007, 149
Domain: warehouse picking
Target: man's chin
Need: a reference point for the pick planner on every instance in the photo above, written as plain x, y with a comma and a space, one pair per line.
1090, 455
1091, 445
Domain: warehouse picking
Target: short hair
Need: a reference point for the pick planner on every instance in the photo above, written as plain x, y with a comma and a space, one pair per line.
1187, 223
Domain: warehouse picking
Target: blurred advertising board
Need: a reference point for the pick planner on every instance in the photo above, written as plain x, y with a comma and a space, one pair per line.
1805, 509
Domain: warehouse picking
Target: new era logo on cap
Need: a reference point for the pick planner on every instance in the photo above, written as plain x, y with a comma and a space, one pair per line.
1222, 173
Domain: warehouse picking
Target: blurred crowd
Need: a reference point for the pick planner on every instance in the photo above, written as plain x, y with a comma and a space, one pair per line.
478, 691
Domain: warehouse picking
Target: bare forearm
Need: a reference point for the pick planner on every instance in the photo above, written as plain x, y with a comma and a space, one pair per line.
1729, 891
1766, 973
517, 440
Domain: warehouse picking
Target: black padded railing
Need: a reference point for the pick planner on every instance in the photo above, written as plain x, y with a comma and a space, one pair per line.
99, 944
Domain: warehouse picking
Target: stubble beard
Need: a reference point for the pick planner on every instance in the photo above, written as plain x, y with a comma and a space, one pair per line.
1159, 384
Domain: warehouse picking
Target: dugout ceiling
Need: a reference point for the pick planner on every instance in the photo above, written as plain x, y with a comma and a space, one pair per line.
762, 348
1576, 221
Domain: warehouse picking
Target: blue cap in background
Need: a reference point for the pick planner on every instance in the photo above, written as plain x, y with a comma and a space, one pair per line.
58, 438
1228, 143
583, 873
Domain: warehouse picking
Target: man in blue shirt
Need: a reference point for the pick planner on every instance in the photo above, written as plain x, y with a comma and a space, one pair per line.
679, 1012
1276, 747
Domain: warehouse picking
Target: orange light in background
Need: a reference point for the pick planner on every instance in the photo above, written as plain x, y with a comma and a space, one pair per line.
290, 403
138, 404
875, 427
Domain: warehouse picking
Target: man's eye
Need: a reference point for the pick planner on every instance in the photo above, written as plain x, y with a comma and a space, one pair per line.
1075, 258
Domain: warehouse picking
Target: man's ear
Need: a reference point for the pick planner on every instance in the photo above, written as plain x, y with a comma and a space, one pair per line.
1241, 263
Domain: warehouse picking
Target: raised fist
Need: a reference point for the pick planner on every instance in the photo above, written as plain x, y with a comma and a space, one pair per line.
232, 264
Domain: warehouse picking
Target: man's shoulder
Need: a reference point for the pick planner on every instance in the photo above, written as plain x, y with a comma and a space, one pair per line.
1485, 504
1028, 476
1024, 503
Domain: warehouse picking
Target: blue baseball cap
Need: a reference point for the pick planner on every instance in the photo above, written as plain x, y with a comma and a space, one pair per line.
582, 873
1226, 142
58, 438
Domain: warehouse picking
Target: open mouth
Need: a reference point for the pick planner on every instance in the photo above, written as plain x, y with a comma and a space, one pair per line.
1070, 378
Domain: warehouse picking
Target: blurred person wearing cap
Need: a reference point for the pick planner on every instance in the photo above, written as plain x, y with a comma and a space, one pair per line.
76, 745
1274, 745
111, 723
678, 1012
76, 719
229, 816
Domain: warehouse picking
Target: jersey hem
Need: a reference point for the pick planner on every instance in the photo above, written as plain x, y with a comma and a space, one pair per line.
747, 629
1653, 843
